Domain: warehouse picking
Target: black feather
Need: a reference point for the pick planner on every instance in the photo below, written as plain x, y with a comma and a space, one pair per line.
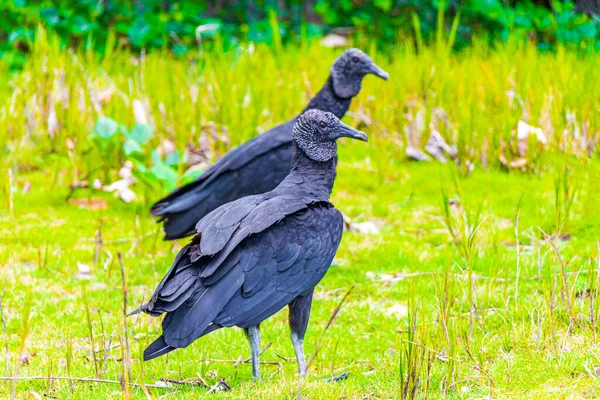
252, 257
255, 167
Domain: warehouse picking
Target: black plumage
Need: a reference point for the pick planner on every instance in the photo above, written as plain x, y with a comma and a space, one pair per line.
260, 164
255, 255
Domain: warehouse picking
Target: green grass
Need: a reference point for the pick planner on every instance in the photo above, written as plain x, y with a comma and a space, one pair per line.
489, 296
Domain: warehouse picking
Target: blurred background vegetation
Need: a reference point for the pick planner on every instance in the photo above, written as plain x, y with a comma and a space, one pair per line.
183, 25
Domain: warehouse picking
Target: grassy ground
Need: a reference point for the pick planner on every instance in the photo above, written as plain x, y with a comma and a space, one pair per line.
480, 284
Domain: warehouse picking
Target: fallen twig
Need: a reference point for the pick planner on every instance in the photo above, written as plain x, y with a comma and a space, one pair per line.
91, 380
337, 378
286, 359
190, 383
220, 386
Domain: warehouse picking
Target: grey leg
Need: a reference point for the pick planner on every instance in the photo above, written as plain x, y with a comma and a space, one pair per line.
254, 338
299, 316
299, 349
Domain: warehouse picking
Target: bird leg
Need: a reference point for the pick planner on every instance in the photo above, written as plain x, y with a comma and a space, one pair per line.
299, 316
297, 342
254, 337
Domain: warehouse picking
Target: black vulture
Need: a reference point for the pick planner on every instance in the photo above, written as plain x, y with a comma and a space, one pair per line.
255, 255
261, 164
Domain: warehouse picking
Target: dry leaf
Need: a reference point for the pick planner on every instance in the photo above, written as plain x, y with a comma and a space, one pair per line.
200, 166
34, 395
93, 203
53, 125
367, 228
121, 189
26, 187
139, 112
83, 271
70, 144
125, 171
415, 154
438, 148
24, 359
333, 40
520, 162
103, 96
397, 310
127, 195
166, 147
524, 130
394, 278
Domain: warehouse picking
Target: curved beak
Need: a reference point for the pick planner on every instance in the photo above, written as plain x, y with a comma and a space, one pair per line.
345, 131
375, 70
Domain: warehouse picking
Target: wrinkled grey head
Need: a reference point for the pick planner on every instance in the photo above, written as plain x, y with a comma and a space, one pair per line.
316, 131
348, 71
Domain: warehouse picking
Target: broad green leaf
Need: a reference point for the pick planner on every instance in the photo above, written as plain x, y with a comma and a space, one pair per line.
156, 159
50, 15
106, 127
164, 173
141, 133
81, 25
139, 32
172, 159
384, 5
140, 166
587, 30
131, 146
20, 34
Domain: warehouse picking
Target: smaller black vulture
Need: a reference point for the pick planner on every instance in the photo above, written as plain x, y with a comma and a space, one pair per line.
253, 256
261, 164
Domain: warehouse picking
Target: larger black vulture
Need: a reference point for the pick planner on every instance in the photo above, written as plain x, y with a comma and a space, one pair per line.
255, 255
261, 164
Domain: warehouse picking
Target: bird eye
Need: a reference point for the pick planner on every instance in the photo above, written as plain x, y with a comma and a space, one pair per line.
355, 59
322, 125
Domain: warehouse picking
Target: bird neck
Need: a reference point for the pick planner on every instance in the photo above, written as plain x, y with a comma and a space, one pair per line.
328, 100
310, 176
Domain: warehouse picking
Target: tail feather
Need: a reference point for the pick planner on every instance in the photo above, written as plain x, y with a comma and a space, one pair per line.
158, 348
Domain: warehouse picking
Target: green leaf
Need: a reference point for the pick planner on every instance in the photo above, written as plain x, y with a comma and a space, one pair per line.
384, 5
140, 167
164, 173
191, 175
139, 32
131, 146
123, 129
172, 159
587, 30
20, 34
50, 16
80, 25
156, 159
106, 127
180, 49
141, 133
